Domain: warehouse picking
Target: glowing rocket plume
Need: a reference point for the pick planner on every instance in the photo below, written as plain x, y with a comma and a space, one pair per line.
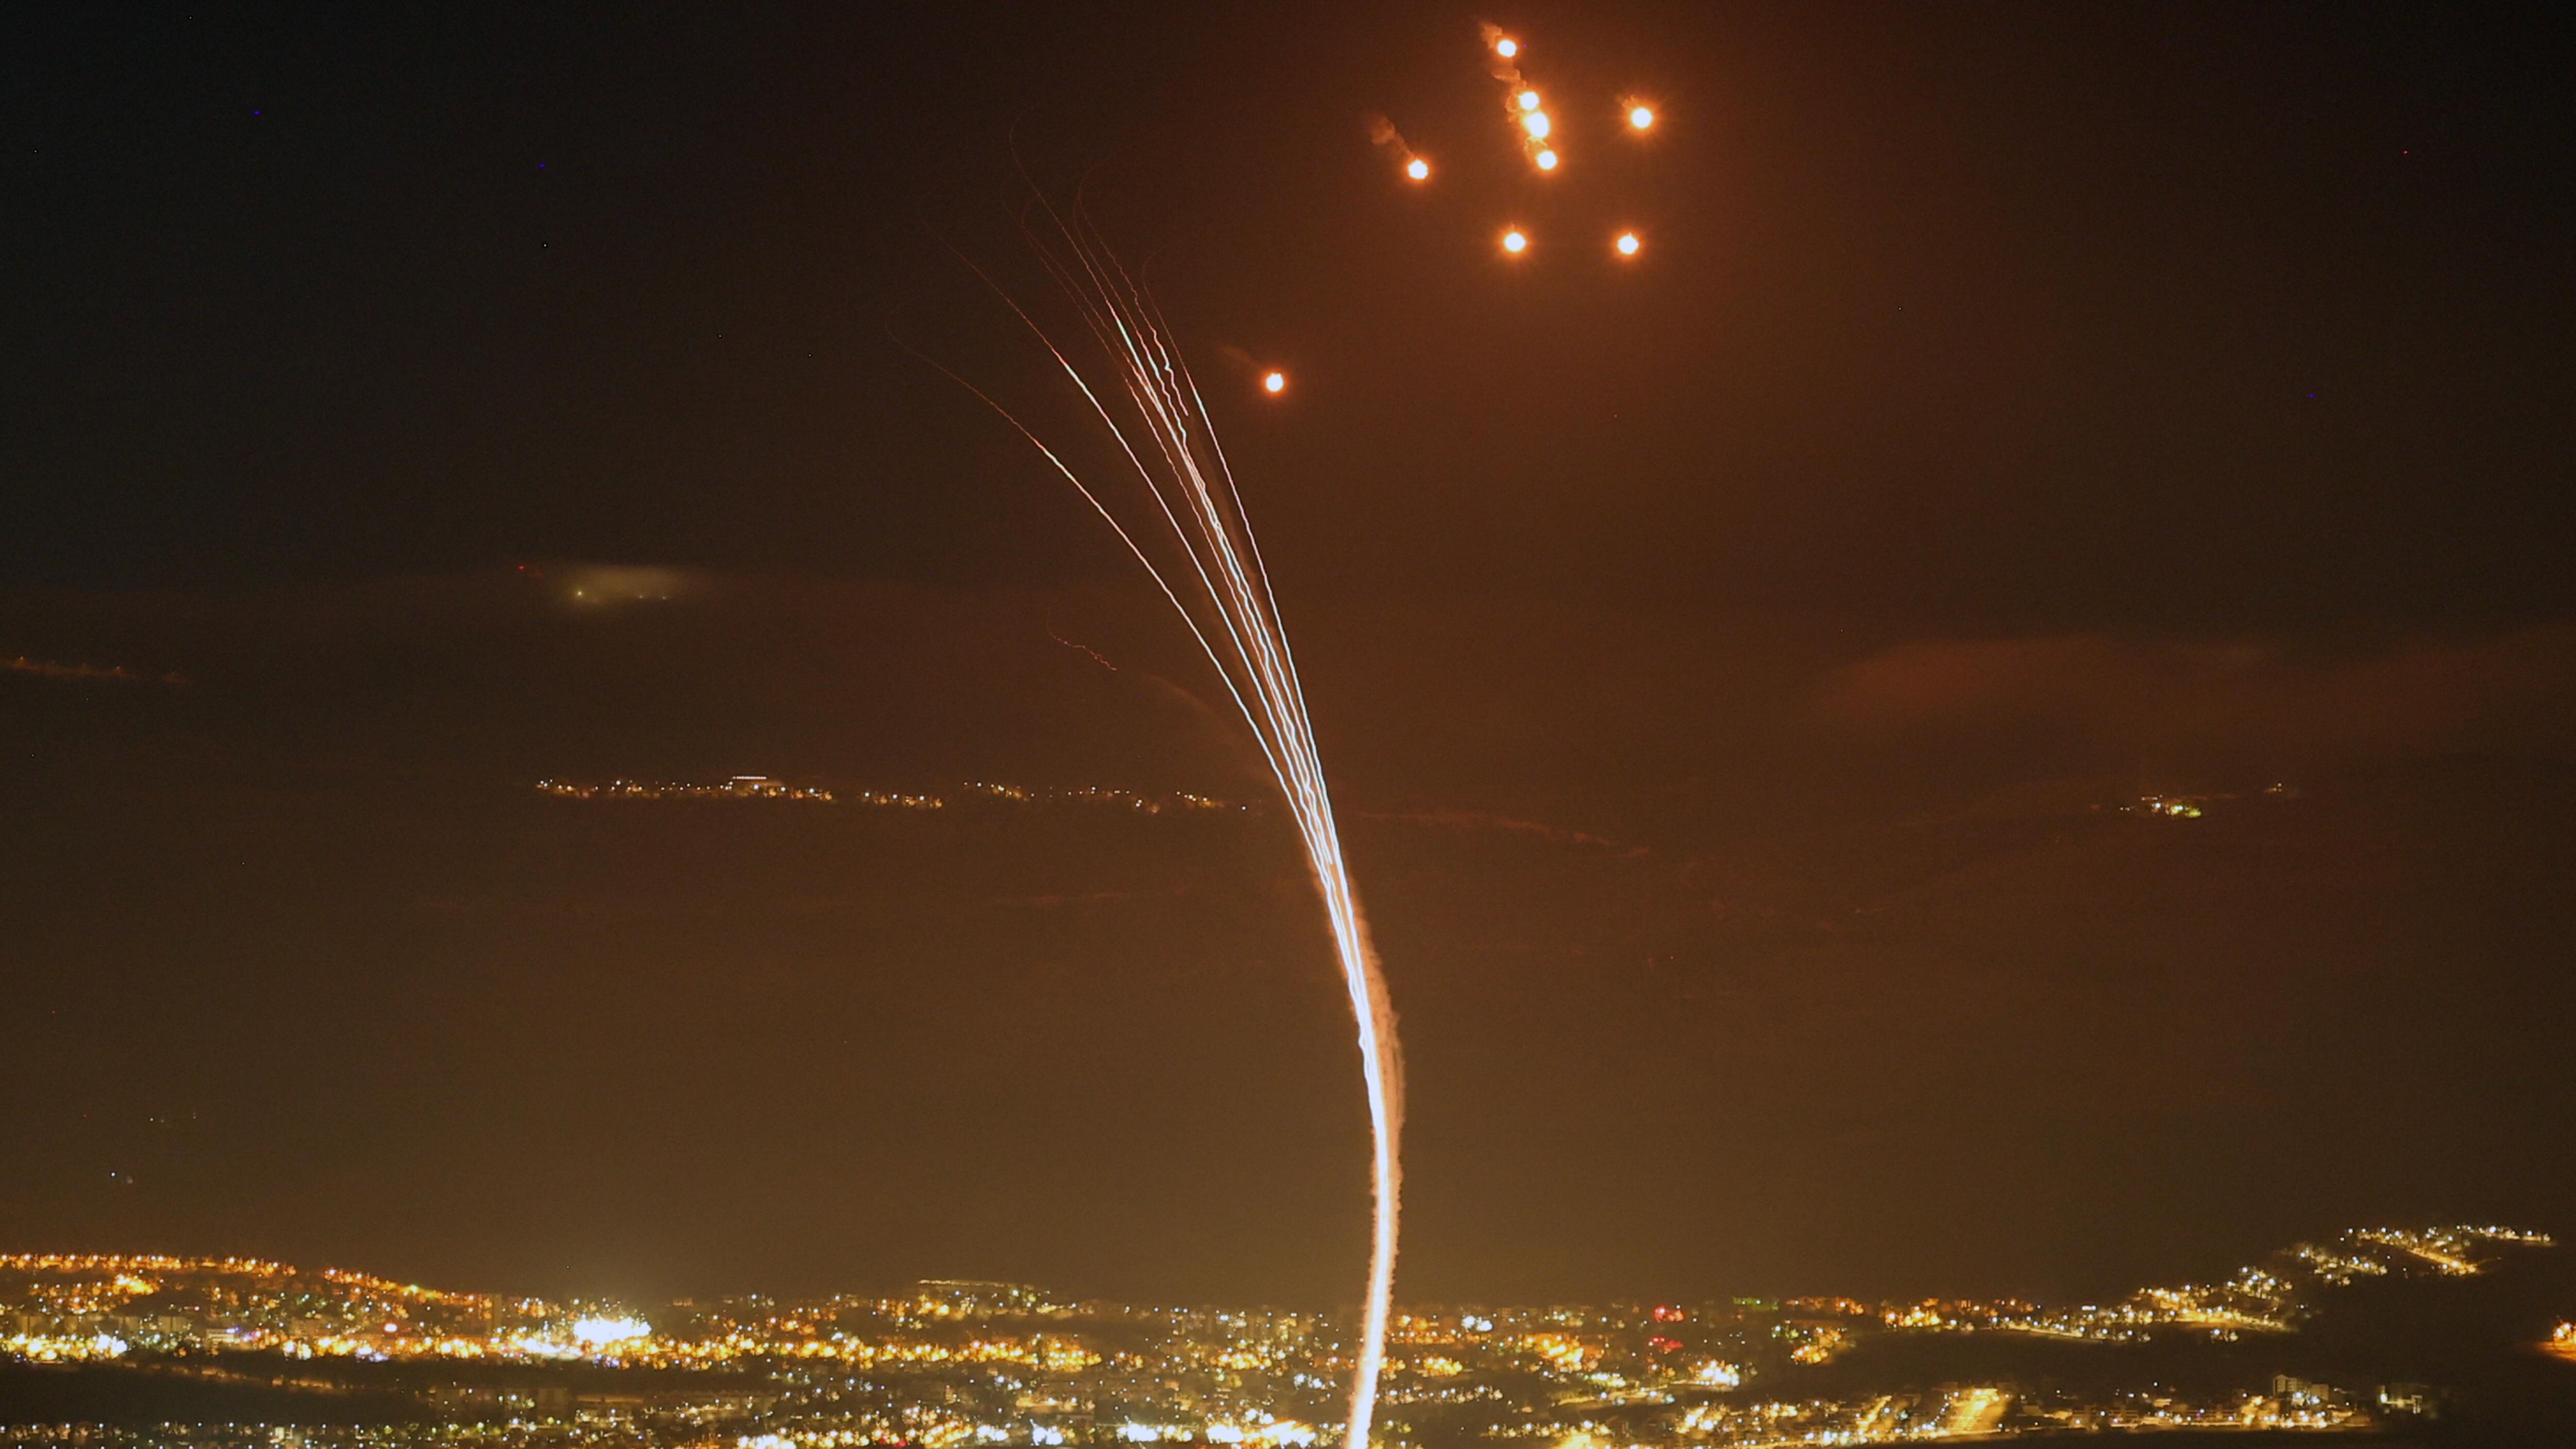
1213, 575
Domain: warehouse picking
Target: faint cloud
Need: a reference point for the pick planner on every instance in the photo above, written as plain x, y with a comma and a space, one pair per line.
606, 585
1480, 820
2413, 695
1057, 900
117, 673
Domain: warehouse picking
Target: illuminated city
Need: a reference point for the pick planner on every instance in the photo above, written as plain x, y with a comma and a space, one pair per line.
953, 1363
1368, 726
970, 792
738, 787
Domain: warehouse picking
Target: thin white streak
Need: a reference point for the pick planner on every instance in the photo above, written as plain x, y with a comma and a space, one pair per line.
1234, 616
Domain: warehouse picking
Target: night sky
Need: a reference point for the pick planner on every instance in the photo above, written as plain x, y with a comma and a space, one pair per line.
1732, 665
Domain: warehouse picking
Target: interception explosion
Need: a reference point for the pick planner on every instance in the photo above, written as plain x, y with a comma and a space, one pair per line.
1189, 514
1533, 127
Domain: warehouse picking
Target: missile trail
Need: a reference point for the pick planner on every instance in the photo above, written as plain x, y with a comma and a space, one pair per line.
1186, 524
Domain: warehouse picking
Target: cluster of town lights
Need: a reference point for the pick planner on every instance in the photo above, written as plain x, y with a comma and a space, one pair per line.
1713, 1371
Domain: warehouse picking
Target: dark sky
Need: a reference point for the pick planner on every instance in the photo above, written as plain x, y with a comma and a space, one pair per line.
1731, 666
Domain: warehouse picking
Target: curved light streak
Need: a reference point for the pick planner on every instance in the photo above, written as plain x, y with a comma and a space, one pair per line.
1188, 528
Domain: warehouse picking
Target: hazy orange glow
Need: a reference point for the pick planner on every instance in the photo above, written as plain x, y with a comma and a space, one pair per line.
1515, 242
1274, 382
1418, 169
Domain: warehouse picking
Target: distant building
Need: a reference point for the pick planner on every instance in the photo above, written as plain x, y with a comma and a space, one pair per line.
2298, 1393
2421, 1401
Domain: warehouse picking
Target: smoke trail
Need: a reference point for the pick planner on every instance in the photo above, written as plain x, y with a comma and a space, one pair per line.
1384, 135
1210, 570
1521, 106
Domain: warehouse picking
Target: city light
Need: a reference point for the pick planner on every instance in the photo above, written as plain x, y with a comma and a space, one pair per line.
980, 792
738, 787
958, 1364
599, 1332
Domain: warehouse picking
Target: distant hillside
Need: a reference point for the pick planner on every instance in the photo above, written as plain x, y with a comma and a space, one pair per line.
2470, 1337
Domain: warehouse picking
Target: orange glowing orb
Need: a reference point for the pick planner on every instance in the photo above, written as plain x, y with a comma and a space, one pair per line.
1641, 116
1528, 100
1546, 160
1627, 244
1507, 47
1515, 241
1418, 169
1274, 383
1536, 124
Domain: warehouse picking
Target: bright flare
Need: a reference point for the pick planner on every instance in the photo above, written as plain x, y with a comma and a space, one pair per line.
1536, 124
1546, 160
1277, 382
1507, 47
1627, 243
1641, 117
610, 1330
1514, 242
1528, 100
1418, 169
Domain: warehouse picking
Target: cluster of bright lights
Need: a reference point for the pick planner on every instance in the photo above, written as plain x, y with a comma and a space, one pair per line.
2451, 1251
1521, 102
761, 787
124, 1264
1516, 240
70, 1348
1277, 1432
1534, 126
739, 787
1444, 1351
607, 1332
